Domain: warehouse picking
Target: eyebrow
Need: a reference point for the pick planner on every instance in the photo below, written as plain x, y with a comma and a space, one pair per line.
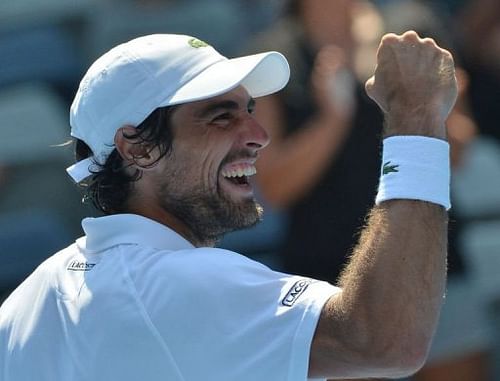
224, 105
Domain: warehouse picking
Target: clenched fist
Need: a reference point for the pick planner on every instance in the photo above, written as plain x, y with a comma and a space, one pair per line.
414, 84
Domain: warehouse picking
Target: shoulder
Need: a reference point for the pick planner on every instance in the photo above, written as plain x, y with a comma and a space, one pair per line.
196, 266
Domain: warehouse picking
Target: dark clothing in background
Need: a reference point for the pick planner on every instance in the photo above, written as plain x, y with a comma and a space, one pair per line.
484, 95
323, 226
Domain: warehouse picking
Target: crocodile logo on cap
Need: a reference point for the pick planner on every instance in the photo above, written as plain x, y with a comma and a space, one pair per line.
196, 43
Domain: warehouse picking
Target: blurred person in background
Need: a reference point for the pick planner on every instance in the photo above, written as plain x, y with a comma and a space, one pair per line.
324, 137
477, 26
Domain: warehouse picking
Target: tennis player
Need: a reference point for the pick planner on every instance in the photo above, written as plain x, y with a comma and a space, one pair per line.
166, 142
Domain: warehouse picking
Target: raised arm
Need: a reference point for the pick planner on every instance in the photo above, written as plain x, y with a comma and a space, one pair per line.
382, 323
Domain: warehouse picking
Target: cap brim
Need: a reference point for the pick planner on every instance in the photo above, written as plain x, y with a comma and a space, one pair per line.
261, 74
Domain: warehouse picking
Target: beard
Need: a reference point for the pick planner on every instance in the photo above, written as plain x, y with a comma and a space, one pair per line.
209, 214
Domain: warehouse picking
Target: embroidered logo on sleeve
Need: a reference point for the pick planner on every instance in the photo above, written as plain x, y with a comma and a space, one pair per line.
389, 168
80, 266
297, 289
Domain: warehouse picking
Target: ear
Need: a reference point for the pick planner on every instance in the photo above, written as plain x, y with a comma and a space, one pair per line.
133, 150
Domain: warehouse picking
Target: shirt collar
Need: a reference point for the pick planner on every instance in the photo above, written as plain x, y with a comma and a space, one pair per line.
105, 232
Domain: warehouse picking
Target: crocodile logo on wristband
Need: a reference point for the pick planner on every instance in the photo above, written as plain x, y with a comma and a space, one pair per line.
389, 168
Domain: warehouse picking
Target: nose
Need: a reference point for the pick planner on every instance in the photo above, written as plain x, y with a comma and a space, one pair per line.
255, 136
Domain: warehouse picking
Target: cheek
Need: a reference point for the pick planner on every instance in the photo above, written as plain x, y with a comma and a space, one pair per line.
209, 166
209, 152
196, 165
201, 155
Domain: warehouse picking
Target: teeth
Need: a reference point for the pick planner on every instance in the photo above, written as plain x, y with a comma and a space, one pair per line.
247, 170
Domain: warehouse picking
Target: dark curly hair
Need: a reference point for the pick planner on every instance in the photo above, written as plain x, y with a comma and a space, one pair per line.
108, 188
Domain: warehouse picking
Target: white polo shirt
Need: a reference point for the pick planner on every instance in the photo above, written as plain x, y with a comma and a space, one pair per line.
134, 301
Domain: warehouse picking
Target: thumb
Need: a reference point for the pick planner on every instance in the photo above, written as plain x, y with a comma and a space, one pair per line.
372, 93
369, 87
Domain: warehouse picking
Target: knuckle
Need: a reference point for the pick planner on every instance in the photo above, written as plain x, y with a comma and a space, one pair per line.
429, 42
411, 34
390, 38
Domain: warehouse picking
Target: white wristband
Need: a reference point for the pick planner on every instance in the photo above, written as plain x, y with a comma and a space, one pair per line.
415, 168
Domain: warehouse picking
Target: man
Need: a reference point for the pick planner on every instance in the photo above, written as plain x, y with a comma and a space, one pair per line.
167, 124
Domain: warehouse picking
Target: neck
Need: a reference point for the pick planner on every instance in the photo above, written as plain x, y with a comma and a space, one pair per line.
171, 221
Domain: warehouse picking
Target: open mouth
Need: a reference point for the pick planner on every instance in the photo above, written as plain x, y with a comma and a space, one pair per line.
243, 180
238, 175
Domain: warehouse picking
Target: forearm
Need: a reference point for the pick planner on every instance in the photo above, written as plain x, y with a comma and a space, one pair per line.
393, 288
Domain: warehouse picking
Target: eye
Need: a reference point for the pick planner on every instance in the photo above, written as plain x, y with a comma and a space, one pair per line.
222, 118
251, 109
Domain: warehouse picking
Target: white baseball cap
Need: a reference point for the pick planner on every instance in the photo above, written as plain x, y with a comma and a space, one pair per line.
130, 81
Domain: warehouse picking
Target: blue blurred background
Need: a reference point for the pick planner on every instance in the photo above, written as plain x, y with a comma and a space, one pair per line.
46, 46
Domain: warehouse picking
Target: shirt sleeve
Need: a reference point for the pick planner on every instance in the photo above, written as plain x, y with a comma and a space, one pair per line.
225, 317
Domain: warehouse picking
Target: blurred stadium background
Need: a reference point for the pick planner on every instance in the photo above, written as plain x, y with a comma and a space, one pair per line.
46, 46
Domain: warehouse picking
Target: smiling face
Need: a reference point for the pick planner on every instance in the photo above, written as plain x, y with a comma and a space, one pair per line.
204, 181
